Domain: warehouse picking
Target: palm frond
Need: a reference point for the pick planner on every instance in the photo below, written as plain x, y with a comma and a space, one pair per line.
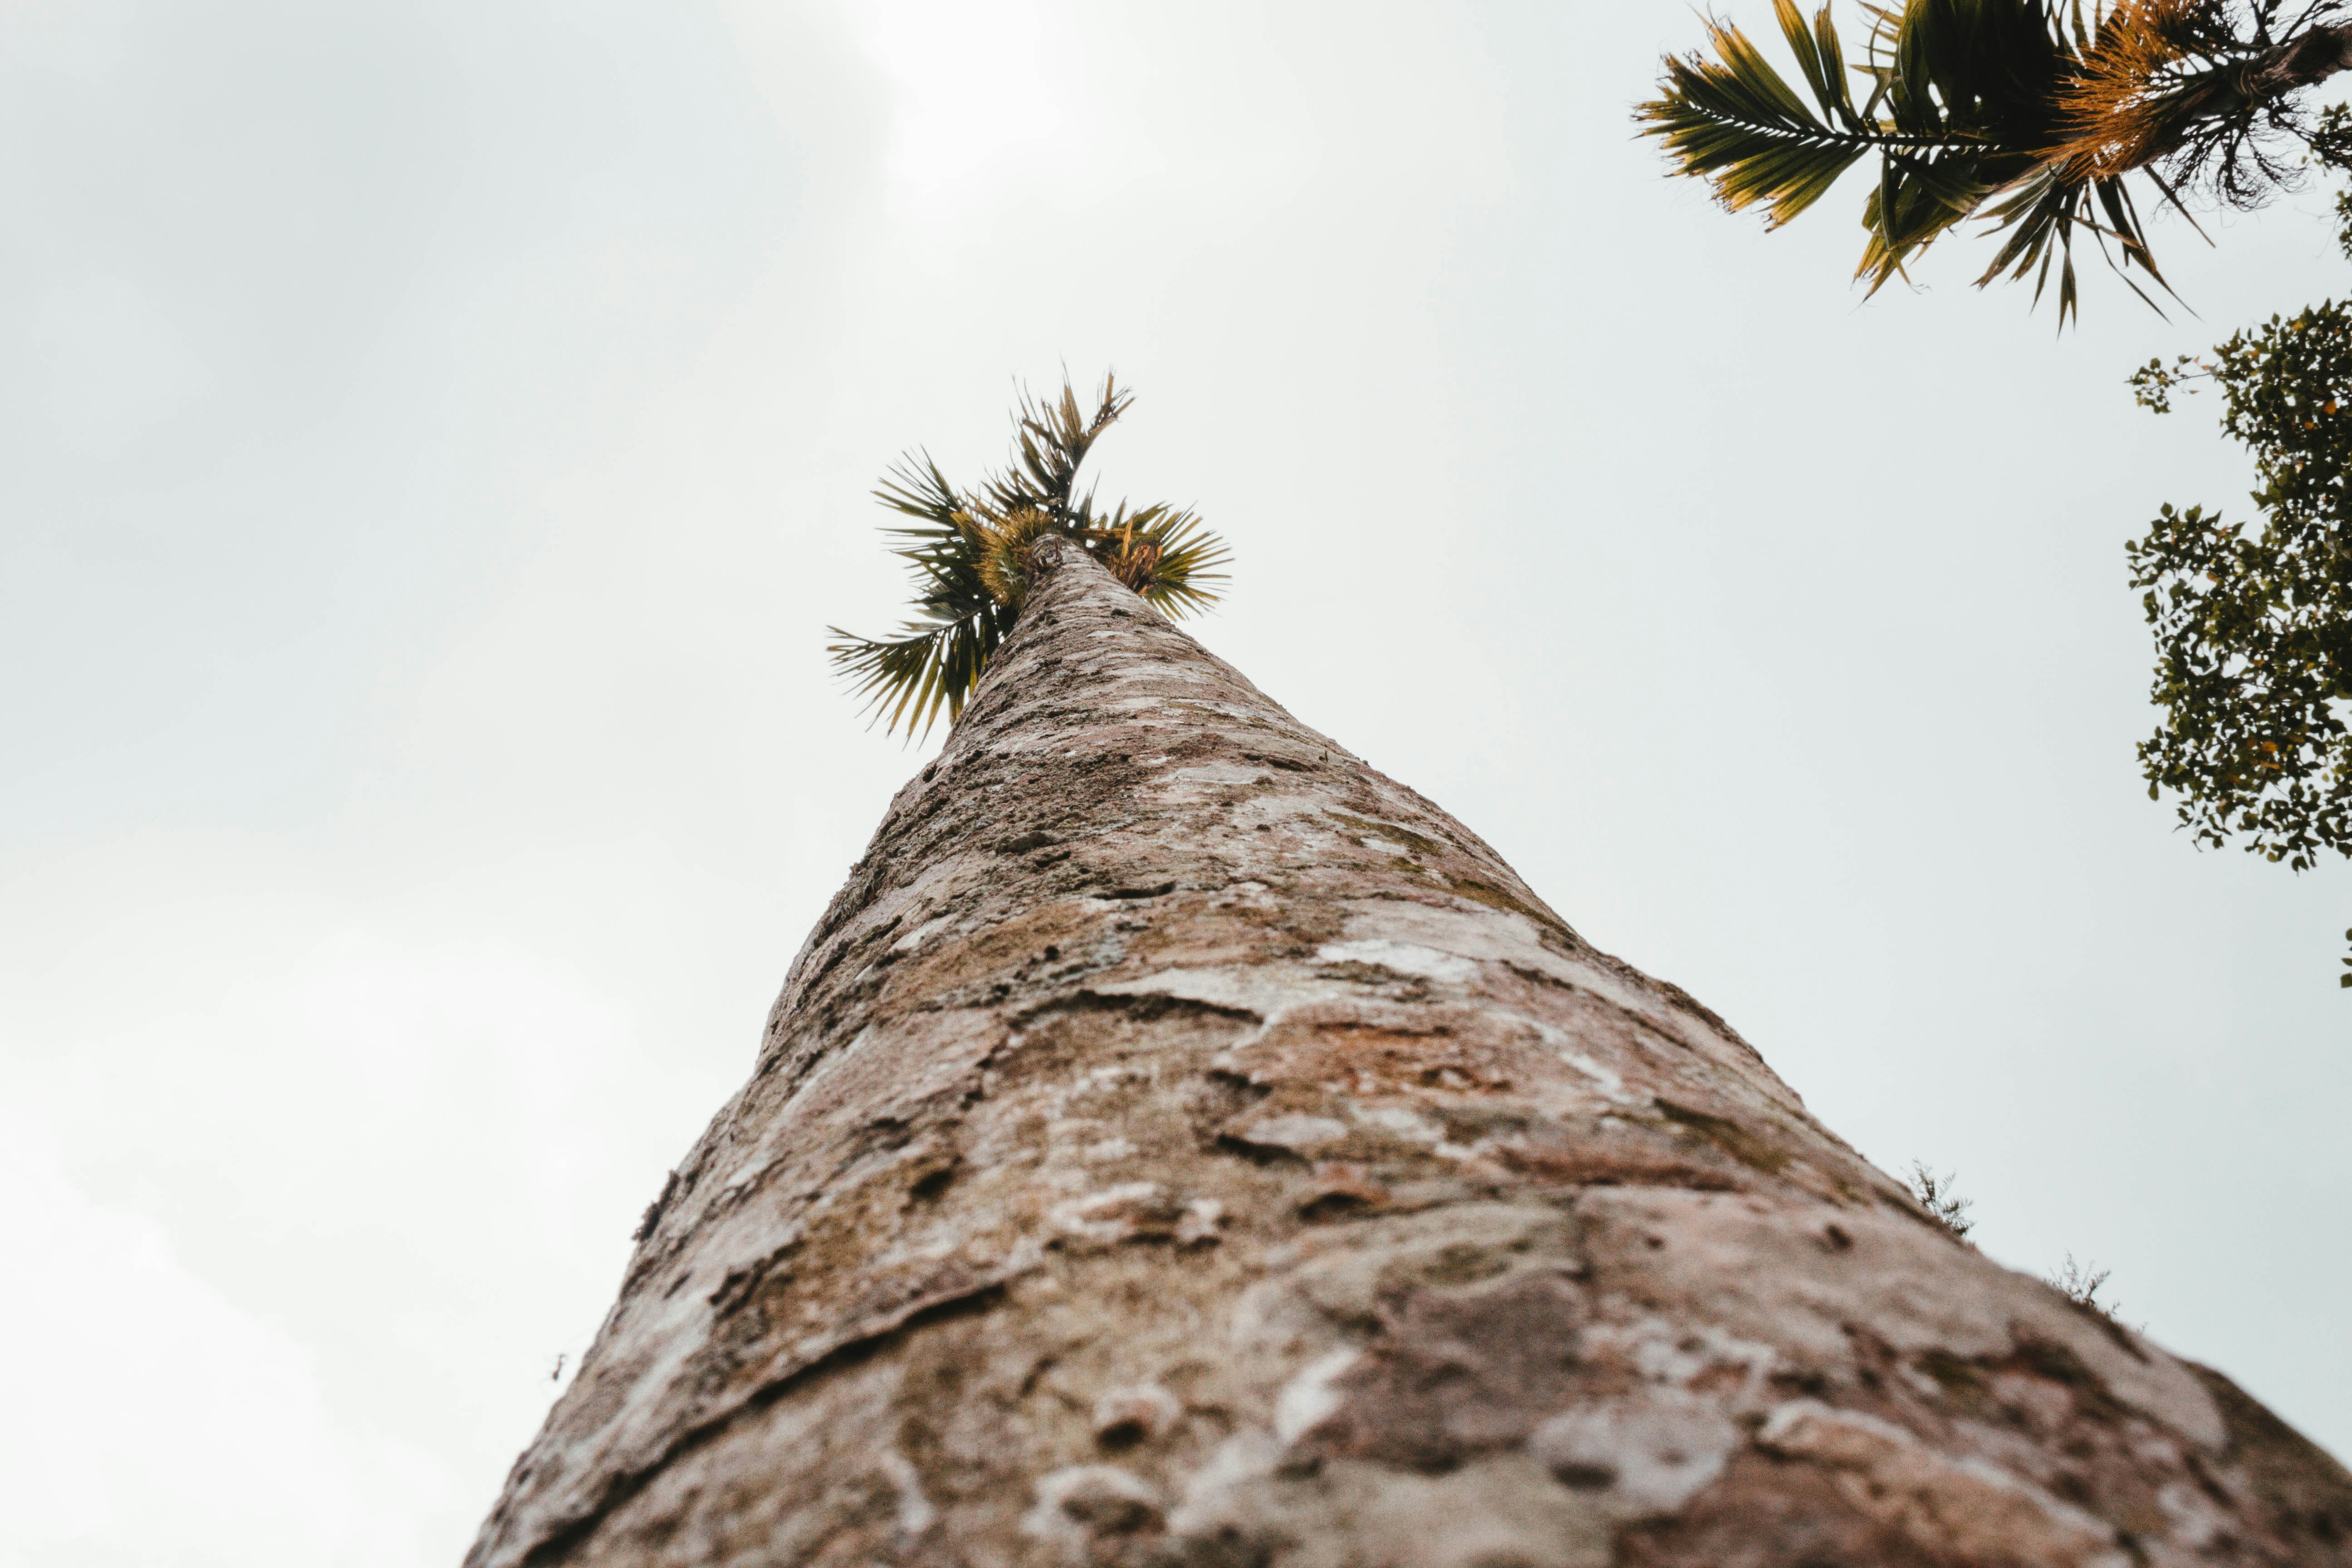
928, 667
914, 485
1735, 122
1918, 199
2040, 214
1945, 76
970, 554
1167, 556
2128, 105
2000, 109
1051, 439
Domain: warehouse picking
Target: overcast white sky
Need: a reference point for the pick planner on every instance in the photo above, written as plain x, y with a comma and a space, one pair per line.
435, 436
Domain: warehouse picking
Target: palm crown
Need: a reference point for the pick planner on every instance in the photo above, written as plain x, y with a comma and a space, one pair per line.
970, 550
2010, 110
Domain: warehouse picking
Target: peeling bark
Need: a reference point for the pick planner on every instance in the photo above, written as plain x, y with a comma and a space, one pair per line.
1178, 1143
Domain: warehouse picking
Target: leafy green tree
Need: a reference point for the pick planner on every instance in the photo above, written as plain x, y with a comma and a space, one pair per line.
2254, 624
970, 552
2014, 110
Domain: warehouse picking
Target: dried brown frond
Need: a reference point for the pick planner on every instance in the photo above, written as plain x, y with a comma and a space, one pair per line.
1135, 563
2146, 81
2125, 110
2207, 96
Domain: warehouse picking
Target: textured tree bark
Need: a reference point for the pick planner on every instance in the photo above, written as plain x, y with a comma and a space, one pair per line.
2306, 62
1180, 1143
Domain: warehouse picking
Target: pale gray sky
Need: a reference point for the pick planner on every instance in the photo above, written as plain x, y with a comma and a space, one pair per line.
435, 436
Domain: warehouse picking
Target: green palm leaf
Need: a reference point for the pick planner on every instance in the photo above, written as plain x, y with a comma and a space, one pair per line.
1966, 111
1167, 556
1736, 120
968, 552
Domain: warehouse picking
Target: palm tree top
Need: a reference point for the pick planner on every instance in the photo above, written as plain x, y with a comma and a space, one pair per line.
969, 554
2014, 110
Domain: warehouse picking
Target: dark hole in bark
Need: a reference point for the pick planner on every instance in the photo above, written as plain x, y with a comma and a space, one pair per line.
1259, 1153
1589, 1477
1805, 1381
1112, 1515
1335, 1205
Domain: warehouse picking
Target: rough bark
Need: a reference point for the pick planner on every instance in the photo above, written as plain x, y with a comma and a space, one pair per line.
2305, 61
1180, 1143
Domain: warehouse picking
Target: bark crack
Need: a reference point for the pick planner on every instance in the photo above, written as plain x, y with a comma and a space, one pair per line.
975, 1296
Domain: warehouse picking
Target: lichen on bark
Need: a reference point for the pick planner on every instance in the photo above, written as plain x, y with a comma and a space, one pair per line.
1180, 1143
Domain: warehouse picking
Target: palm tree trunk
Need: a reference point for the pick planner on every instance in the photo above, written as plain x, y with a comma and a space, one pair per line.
1180, 1143
2301, 62
2279, 71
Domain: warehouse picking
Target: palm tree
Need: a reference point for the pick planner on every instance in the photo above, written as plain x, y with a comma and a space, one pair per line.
1180, 1143
2013, 110
967, 550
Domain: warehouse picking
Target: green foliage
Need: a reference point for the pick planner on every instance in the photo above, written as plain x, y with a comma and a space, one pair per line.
970, 554
2021, 112
2331, 147
1963, 105
1940, 1198
2080, 1283
2254, 631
